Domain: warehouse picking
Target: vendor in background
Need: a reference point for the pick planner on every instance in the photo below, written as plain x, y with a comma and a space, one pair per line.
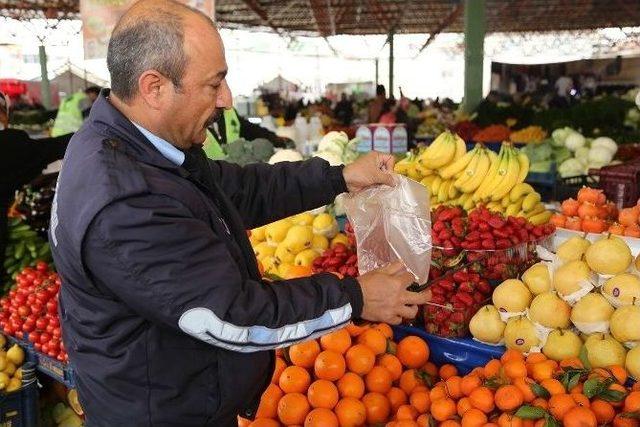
377, 104
344, 110
73, 110
22, 159
231, 126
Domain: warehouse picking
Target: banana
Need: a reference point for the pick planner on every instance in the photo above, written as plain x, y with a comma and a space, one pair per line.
402, 167
477, 175
461, 147
538, 208
435, 185
506, 201
413, 173
439, 153
523, 161
443, 191
541, 218
469, 204
458, 165
453, 191
466, 173
514, 208
519, 191
530, 201
491, 174
427, 180
463, 198
509, 179
494, 206
422, 170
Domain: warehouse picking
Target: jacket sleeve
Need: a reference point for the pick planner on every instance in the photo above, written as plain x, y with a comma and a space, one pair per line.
265, 193
172, 269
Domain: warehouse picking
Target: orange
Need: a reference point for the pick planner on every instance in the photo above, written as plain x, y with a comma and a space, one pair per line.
443, 409
482, 398
393, 365
338, 341
304, 354
492, 368
577, 389
420, 400
474, 418
603, 411
409, 380
579, 417
621, 389
423, 420
431, 369
515, 369
619, 373
420, 388
540, 403
491, 425
533, 358
280, 366
511, 355
406, 412
378, 380
572, 362
293, 408
620, 421
413, 352
449, 423
351, 385
560, 404
438, 392
478, 371
581, 400
632, 402
360, 359
264, 422
454, 387
404, 423
447, 371
508, 420
322, 394
553, 386
636, 386
377, 406
469, 383
321, 417
508, 398
268, 407
397, 397
542, 370
374, 339
329, 366
351, 412
463, 406
524, 385
294, 379
386, 330
355, 330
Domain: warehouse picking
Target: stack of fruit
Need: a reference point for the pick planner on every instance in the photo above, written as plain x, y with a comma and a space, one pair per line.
11, 360
35, 203
594, 289
289, 247
30, 310
66, 416
528, 135
351, 377
591, 213
24, 247
339, 259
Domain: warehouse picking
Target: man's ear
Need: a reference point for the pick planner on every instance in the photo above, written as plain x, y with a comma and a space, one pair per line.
153, 88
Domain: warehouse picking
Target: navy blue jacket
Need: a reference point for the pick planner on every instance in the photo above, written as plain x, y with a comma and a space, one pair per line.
164, 315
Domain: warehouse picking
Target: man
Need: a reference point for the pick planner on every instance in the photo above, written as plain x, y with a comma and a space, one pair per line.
73, 110
164, 314
377, 104
344, 110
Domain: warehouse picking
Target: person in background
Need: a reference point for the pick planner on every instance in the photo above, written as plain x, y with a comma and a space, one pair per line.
388, 113
344, 110
377, 104
21, 160
73, 110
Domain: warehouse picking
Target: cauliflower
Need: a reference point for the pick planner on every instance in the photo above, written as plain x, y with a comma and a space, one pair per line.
560, 135
334, 159
285, 156
605, 142
574, 141
600, 155
334, 142
582, 154
571, 167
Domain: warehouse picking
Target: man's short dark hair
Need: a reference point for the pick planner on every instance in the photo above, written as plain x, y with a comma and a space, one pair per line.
380, 90
92, 89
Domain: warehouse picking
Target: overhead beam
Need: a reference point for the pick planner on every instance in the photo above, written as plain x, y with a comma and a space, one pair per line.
321, 14
474, 31
262, 14
450, 19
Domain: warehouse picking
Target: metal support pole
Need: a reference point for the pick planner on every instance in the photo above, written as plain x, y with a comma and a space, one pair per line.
390, 89
474, 31
377, 79
45, 92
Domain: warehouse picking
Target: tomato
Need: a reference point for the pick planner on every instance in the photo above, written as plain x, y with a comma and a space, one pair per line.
41, 323
30, 275
28, 326
52, 306
31, 298
53, 320
44, 338
3, 324
54, 345
37, 307
24, 311
60, 357
44, 346
15, 303
20, 298
8, 329
50, 329
34, 337
42, 266
37, 282
19, 334
16, 325
57, 333
37, 346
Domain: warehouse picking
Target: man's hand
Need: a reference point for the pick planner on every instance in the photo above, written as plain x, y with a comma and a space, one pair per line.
385, 295
371, 169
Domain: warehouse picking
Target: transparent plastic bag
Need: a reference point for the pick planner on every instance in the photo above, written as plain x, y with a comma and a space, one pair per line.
391, 224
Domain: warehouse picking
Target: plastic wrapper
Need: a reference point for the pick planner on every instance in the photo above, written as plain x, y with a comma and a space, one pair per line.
392, 224
592, 327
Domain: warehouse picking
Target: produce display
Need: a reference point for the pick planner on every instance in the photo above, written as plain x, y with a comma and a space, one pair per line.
24, 247
244, 152
528, 135
493, 133
30, 310
593, 213
65, 416
12, 357
35, 201
586, 153
337, 149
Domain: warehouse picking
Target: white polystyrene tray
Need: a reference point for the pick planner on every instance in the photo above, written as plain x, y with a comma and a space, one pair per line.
563, 234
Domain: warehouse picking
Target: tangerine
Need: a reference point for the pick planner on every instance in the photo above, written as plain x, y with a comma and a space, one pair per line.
420, 400
470, 383
351, 412
560, 404
304, 353
409, 380
540, 403
397, 397
492, 368
581, 400
474, 418
355, 330
524, 385
329, 366
579, 417
294, 379
321, 417
264, 422
293, 409
385, 329
511, 355
413, 352
443, 409
463, 406
378, 380
533, 358
620, 421
351, 385
572, 362
619, 373
508, 398
482, 398
280, 366
447, 371
604, 411
515, 369
268, 407
392, 364
360, 359
509, 420
374, 339
377, 407
453, 386
322, 394
406, 412
632, 402
553, 386
338, 341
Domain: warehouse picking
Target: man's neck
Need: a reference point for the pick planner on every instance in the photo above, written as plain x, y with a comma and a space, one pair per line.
136, 117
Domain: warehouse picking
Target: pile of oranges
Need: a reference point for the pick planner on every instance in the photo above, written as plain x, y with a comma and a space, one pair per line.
358, 376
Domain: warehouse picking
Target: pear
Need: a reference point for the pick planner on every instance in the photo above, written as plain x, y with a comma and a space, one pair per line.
263, 250
637, 263
10, 369
604, 351
537, 278
3, 341
592, 308
632, 363
511, 296
270, 264
283, 255
319, 243
72, 421
625, 323
325, 225
625, 287
14, 384
566, 279
277, 231
609, 255
486, 325
258, 234
305, 218
340, 238
306, 257
298, 239
562, 344
4, 380
572, 249
254, 242
549, 310
520, 334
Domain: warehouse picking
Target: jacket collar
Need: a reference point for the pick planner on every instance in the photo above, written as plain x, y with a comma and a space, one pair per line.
113, 124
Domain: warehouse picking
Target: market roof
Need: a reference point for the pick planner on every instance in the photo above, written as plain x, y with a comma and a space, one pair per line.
331, 17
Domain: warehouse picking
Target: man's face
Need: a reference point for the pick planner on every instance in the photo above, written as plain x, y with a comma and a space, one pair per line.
203, 92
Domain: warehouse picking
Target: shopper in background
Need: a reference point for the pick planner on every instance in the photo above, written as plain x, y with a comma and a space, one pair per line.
73, 110
164, 313
230, 125
377, 104
344, 110
21, 160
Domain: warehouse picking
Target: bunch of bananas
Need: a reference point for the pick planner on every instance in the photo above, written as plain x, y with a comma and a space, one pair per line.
522, 201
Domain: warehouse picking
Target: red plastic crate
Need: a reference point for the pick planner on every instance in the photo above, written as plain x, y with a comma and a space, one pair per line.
620, 182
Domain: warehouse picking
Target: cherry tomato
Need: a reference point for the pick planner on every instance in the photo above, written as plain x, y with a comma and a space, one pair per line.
30, 275
52, 306
34, 337
37, 281
28, 326
42, 266
44, 338
49, 329
31, 298
57, 333
37, 307
38, 346
60, 357
41, 323
54, 345
19, 334
8, 329
24, 311
20, 298
44, 346
12, 294
53, 320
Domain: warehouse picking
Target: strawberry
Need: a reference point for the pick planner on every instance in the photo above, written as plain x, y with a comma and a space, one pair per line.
488, 244
457, 317
438, 226
466, 287
503, 244
483, 226
473, 236
496, 222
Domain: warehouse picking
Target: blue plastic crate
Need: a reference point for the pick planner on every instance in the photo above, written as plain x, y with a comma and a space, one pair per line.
464, 353
20, 408
61, 372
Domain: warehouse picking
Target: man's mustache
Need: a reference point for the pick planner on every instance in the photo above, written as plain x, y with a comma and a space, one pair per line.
215, 116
